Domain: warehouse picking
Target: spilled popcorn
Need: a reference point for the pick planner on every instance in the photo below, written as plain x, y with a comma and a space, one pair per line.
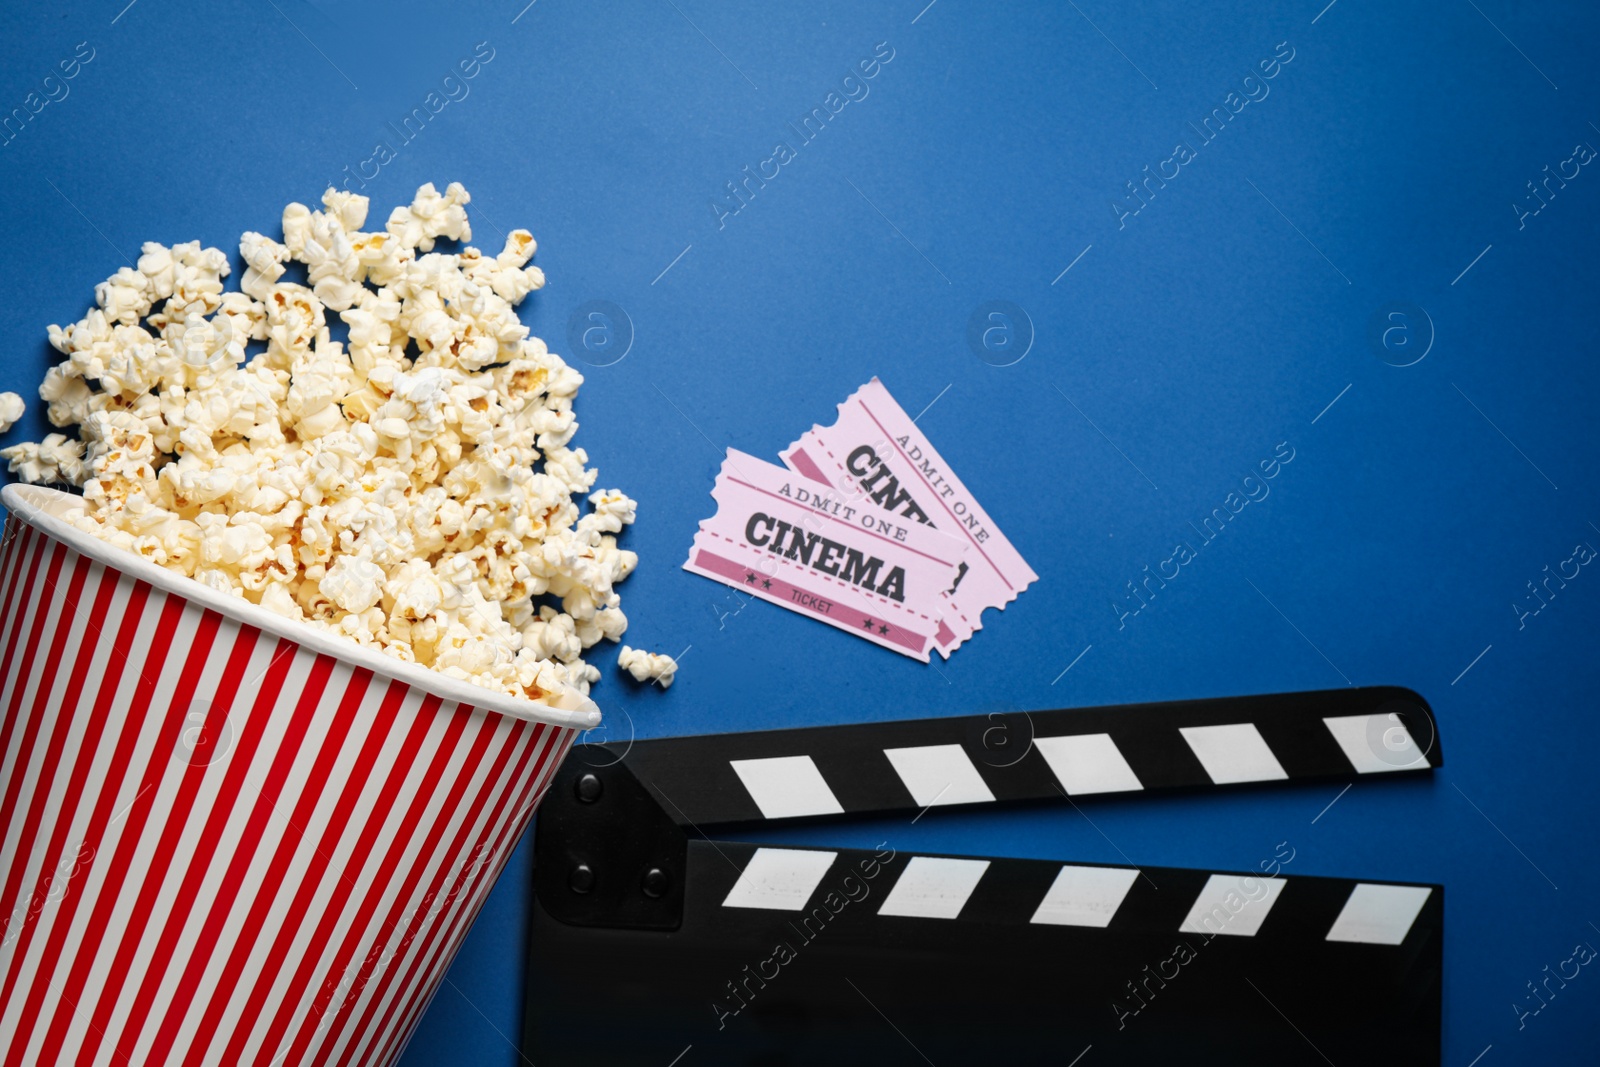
412, 489
11, 409
648, 666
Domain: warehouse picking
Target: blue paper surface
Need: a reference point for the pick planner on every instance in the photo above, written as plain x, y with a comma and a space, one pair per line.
1384, 169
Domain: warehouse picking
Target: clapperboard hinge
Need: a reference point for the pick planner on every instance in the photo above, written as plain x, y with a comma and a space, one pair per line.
767, 954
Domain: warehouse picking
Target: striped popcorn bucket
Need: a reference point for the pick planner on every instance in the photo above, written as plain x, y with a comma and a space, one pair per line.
230, 838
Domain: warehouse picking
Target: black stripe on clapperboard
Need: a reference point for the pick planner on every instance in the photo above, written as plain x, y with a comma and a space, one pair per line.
910, 765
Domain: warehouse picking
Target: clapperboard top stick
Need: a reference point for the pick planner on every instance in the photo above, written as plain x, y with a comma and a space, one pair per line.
885, 767
720, 941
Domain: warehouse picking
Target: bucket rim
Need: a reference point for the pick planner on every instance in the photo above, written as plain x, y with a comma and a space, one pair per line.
36, 505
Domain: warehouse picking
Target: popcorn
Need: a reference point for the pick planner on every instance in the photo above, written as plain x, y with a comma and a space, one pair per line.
11, 409
412, 489
610, 512
53, 460
264, 261
431, 216
353, 584
648, 666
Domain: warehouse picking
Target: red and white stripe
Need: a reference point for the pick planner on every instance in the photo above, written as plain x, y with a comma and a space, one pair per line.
295, 900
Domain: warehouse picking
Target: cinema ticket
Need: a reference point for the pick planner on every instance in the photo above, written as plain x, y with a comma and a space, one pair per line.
809, 547
875, 454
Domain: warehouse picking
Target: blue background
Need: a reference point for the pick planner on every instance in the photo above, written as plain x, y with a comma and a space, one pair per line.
1220, 320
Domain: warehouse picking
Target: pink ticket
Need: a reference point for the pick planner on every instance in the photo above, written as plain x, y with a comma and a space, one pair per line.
875, 454
802, 544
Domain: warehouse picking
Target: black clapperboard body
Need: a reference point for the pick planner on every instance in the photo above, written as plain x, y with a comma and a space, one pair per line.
650, 939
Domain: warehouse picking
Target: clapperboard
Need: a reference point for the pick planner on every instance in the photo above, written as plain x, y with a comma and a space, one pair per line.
651, 939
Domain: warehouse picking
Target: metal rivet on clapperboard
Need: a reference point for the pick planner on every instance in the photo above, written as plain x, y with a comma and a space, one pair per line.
582, 879
654, 883
589, 788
